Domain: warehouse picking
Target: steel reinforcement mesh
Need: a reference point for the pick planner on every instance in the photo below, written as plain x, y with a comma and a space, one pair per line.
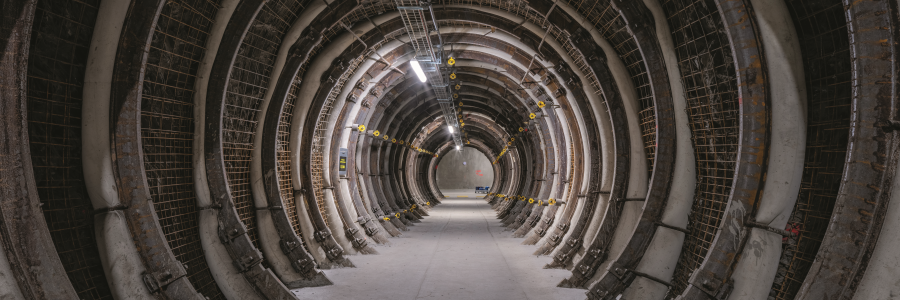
610, 25
167, 130
61, 36
285, 179
708, 75
648, 135
246, 89
363, 11
824, 44
317, 162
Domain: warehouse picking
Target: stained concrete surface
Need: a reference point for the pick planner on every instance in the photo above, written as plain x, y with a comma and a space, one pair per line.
460, 251
464, 169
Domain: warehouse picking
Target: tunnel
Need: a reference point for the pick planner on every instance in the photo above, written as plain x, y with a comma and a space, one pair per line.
450, 149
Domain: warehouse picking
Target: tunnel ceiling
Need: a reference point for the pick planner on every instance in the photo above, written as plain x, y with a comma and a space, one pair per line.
656, 149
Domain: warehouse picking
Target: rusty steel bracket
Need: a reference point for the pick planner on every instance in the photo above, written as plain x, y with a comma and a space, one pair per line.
166, 274
245, 256
300, 265
301, 260
661, 224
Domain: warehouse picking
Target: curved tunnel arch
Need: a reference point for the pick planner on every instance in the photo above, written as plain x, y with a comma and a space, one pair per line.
215, 173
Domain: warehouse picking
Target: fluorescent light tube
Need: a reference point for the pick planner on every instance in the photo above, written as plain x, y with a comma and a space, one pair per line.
418, 69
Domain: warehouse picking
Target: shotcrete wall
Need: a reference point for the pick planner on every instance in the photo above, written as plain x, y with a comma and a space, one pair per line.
459, 169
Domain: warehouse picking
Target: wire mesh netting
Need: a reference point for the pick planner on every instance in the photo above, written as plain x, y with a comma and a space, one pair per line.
61, 36
167, 130
824, 44
610, 25
246, 89
317, 162
708, 75
285, 182
647, 120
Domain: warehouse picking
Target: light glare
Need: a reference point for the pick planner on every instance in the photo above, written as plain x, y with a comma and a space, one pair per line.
450, 128
418, 69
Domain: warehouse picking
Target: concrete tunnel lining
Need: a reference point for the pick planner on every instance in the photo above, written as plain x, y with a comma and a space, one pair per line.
464, 161
269, 238
219, 261
572, 156
663, 248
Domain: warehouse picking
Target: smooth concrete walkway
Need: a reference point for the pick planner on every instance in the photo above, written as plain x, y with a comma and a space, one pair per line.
460, 251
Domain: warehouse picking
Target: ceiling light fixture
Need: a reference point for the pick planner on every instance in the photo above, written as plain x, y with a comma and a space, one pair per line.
418, 69
450, 128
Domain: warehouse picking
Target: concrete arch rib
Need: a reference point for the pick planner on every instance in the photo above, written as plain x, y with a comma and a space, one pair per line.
164, 276
231, 230
278, 238
662, 253
300, 131
122, 263
750, 67
856, 223
636, 179
30, 267
755, 273
229, 279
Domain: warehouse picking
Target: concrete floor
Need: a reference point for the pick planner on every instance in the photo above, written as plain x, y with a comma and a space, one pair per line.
460, 251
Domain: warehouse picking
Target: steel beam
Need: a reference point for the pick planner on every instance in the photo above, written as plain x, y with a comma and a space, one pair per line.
232, 232
24, 236
871, 161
